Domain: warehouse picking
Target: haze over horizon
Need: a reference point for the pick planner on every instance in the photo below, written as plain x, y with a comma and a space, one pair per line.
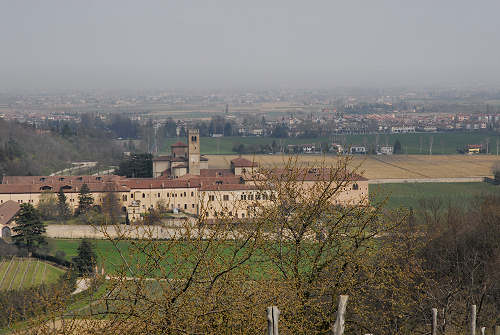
115, 44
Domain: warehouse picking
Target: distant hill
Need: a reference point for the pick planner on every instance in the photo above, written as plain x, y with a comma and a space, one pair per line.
28, 151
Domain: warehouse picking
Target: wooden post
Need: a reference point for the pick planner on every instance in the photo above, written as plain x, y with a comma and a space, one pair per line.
497, 330
338, 327
473, 320
434, 321
483, 329
273, 314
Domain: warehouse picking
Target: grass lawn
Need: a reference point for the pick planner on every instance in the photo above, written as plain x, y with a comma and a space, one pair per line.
418, 143
409, 194
26, 272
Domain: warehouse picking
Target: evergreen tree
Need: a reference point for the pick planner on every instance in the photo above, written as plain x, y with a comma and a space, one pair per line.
397, 147
86, 259
111, 206
136, 166
85, 200
29, 228
62, 206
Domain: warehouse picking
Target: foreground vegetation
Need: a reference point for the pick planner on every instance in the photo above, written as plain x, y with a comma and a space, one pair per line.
299, 253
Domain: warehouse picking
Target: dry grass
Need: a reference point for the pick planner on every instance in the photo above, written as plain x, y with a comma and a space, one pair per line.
397, 166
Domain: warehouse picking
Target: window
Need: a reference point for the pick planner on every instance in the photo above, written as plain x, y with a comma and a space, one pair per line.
242, 215
226, 197
243, 197
219, 173
355, 187
124, 197
193, 138
192, 193
184, 193
264, 196
61, 179
42, 179
257, 196
250, 197
211, 197
230, 213
132, 196
158, 194
143, 195
185, 206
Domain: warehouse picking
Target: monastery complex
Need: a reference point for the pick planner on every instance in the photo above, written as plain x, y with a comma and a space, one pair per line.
182, 182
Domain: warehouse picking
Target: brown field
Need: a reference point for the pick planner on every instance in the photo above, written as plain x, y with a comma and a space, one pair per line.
397, 166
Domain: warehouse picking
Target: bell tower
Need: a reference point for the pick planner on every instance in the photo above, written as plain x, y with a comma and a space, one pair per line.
194, 151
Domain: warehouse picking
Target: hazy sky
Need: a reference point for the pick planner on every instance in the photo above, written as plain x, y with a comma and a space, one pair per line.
247, 44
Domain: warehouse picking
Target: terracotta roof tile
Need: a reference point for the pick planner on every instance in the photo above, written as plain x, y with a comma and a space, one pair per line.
8, 210
179, 144
242, 162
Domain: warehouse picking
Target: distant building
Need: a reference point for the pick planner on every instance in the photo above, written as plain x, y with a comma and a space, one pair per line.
385, 150
8, 211
308, 148
403, 130
358, 150
184, 158
336, 148
474, 149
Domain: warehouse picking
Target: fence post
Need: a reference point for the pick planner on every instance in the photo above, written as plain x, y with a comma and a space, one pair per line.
483, 329
473, 320
273, 314
338, 327
434, 321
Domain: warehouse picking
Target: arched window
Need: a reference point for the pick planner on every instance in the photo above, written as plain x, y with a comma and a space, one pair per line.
355, 187
45, 188
6, 233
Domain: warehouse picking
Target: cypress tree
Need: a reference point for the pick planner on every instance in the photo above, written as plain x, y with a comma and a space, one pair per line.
62, 206
86, 259
85, 200
29, 229
397, 147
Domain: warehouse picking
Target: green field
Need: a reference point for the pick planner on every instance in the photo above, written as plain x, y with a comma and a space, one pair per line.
17, 273
418, 143
409, 194
110, 257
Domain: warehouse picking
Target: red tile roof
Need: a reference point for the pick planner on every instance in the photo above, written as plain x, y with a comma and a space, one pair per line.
242, 162
215, 172
227, 187
8, 210
54, 187
57, 179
